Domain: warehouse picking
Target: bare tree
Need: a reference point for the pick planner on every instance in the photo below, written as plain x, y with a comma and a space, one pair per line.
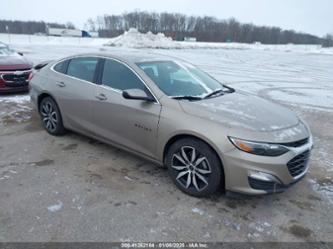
70, 25
26, 27
90, 24
328, 41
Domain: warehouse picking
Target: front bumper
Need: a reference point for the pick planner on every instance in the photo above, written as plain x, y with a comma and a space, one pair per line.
273, 185
252, 174
15, 81
16, 89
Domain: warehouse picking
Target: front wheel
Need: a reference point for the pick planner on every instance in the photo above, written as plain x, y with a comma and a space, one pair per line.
194, 167
51, 117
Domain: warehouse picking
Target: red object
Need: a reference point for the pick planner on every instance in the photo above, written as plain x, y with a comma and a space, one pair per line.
15, 73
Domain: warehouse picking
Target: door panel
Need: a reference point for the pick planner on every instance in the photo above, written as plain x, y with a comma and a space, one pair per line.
75, 95
75, 101
130, 123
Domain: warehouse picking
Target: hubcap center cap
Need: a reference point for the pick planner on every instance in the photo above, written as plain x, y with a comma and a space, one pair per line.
191, 168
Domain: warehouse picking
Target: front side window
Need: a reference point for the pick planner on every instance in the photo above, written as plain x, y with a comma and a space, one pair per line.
179, 78
120, 77
82, 68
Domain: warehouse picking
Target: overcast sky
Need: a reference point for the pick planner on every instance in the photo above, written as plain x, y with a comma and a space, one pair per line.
311, 16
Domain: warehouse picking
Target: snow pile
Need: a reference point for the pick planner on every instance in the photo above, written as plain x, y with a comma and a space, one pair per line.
134, 39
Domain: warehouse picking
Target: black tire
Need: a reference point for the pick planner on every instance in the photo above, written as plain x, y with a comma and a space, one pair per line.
51, 117
204, 162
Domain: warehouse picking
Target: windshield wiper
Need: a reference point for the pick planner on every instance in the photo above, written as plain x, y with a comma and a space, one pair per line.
220, 91
214, 93
187, 97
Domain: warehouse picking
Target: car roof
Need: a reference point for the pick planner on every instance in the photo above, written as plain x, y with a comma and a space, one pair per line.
132, 56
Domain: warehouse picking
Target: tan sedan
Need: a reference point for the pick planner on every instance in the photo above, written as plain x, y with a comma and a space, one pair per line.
209, 135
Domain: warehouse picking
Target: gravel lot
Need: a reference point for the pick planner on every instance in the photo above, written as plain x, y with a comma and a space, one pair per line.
73, 188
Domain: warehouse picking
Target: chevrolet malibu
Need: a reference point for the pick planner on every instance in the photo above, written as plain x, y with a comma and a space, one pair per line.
209, 135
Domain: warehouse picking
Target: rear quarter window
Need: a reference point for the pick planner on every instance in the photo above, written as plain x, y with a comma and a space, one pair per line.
82, 68
61, 67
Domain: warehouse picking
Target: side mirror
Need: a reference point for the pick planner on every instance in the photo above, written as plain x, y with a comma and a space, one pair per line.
137, 94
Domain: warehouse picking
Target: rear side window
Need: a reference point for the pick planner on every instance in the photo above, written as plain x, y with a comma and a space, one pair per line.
119, 76
61, 67
82, 68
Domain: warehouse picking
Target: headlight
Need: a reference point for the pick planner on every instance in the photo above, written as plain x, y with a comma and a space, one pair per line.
257, 148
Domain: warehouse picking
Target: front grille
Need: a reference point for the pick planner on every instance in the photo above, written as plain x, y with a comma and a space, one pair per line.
297, 143
14, 79
298, 164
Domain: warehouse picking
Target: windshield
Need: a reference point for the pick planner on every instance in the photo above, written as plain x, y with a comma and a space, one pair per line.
179, 78
4, 50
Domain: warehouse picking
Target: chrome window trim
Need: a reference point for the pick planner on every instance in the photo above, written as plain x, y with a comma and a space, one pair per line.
110, 88
69, 76
104, 86
72, 77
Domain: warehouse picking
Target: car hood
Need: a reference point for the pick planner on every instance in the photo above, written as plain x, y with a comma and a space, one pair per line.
242, 110
14, 62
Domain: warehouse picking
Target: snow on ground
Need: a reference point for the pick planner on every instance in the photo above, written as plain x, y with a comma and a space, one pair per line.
51, 40
19, 99
18, 108
292, 77
287, 77
135, 39
55, 207
322, 98
304, 80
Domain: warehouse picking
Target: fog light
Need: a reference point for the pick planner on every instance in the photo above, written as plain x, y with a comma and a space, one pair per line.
258, 175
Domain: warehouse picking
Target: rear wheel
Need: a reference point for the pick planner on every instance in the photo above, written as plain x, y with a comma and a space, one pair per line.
51, 117
194, 167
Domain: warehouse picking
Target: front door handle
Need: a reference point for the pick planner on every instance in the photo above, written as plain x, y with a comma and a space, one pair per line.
101, 97
61, 84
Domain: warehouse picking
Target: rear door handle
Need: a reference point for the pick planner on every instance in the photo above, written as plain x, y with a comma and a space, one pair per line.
101, 97
61, 84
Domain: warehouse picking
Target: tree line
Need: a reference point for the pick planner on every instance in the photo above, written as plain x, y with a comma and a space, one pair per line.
177, 26
29, 27
208, 29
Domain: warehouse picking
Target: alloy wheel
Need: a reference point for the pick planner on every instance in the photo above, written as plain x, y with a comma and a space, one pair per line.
193, 168
49, 116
